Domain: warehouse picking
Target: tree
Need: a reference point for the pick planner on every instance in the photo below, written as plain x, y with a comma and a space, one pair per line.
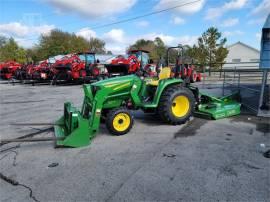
10, 50
210, 49
59, 42
97, 46
156, 48
109, 52
140, 44
160, 49
3, 41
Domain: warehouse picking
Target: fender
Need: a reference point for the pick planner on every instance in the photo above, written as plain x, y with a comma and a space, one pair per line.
163, 84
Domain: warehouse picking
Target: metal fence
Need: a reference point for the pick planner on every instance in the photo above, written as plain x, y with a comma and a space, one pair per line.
248, 82
245, 77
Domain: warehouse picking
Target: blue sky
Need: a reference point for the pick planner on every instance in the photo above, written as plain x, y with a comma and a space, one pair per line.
239, 20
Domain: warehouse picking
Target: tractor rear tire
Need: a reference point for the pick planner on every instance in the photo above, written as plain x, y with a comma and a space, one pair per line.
119, 121
176, 105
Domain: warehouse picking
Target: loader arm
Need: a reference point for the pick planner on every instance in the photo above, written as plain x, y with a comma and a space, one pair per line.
77, 128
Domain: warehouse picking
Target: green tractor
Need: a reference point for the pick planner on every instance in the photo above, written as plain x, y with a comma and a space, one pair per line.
173, 99
114, 98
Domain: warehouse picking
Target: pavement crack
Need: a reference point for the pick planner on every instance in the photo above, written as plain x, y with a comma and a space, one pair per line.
14, 158
9, 148
16, 183
251, 166
30, 134
23, 102
9, 151
155, 153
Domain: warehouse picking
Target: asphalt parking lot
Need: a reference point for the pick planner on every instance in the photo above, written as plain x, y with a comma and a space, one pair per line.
202, 160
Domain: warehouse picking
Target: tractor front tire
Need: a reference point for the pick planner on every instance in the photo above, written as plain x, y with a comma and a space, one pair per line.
119, 121
176, 105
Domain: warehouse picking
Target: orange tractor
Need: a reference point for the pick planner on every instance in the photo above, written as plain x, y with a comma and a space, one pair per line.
76, 67
182, 69
137, 61
8, 69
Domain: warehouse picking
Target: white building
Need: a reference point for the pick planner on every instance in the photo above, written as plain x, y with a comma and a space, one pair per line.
242, 56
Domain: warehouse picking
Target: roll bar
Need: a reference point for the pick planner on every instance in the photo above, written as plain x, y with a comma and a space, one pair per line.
180, 47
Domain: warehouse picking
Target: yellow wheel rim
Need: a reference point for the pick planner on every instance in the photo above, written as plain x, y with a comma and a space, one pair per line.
121, 122
180, 106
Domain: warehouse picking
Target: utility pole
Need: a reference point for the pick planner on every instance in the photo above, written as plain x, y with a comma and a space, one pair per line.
210, 61
90, 43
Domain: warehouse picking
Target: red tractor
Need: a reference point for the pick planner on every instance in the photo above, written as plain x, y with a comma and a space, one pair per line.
184, 70
42, 71
76, 67
38, 73
8, 69
137, 60
188, 71
24, 72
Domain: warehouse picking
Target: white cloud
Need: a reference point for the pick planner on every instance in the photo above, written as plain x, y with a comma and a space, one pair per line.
24, 42
169, 39
86, 33
232, 33
21, 30
258, 36
92, 8
142, 23
117, 40
186, 9
234, 4
262, 9
213, 13
116, 49
178, 21
259, 13
230, 22
14, 28
114, 36
255, 21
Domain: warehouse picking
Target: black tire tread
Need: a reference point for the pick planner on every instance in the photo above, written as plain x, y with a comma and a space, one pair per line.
111, 114
165, 104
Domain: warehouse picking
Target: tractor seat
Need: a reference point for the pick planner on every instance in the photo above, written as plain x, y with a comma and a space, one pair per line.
164, 74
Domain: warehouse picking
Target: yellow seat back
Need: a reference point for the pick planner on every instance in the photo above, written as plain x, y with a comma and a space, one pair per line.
165, 73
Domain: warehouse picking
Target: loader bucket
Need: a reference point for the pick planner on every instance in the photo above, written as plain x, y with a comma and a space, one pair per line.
72, 130
218, 108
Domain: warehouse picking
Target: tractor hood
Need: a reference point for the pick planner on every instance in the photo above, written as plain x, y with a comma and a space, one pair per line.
117, 83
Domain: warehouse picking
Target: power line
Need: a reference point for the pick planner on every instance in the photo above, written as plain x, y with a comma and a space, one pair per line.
32, 37
132, 18
145, 15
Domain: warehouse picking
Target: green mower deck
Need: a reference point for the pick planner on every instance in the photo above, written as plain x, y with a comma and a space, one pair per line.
217, 108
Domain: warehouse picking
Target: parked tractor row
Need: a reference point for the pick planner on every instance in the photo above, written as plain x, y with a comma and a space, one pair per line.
83, 67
